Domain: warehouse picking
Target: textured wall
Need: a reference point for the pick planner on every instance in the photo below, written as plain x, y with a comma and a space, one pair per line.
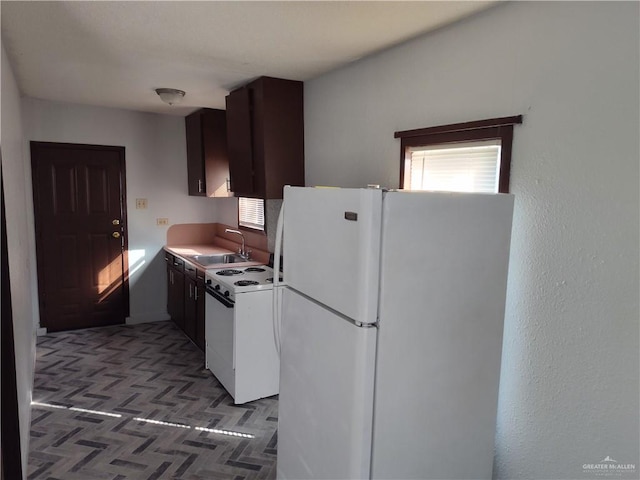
569, 383
20, 263
156, 169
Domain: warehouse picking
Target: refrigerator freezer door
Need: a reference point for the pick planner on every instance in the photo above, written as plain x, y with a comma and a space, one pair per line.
326, 393
331, 247
440, 334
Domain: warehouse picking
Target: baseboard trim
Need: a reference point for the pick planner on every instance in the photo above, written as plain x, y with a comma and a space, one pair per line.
40, 331
147, 318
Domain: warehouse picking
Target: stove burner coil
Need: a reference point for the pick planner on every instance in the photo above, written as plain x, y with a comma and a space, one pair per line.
254, 269
229, 272
245, 283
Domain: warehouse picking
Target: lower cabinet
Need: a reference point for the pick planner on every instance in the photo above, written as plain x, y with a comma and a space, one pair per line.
185, 298
175, 289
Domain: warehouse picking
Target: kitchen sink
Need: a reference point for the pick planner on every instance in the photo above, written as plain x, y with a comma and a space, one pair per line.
207, 260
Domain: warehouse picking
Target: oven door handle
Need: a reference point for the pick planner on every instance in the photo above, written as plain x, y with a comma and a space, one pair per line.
221, 298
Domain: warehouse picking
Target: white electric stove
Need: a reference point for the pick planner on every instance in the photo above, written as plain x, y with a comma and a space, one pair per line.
239, 332
230, 281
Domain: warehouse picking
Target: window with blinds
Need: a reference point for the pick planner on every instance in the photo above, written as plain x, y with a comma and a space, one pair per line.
461, 157
251, 213
458, 167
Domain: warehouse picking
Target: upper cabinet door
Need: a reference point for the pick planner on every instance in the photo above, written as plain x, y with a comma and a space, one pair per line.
281, 135
195, 165
216, 158
239, 142
265, 132
207, 159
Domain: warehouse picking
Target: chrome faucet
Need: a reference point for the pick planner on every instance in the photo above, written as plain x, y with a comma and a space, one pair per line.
243, 252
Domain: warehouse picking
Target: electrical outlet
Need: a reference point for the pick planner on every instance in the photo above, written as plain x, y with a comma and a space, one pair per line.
162, 221
141, 203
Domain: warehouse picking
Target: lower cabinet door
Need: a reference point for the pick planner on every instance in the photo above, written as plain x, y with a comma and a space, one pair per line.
175, 301
200, 314
190, 308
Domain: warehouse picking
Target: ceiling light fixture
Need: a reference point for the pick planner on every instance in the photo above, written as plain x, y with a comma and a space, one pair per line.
170, 95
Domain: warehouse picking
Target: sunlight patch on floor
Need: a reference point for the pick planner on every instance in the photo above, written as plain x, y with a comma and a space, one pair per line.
145, 420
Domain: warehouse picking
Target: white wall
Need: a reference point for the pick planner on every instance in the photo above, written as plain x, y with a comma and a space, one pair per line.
156, 169
569, 384
20, 262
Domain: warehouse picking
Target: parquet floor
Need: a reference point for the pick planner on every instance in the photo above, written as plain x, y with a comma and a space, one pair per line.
135, 402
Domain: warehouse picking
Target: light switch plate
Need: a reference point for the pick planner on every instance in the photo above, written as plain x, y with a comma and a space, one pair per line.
141, 203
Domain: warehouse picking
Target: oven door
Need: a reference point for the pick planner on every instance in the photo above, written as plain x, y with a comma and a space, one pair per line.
220, 338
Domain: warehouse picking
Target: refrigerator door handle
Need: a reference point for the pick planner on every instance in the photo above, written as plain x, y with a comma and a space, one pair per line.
339, 315
276, 279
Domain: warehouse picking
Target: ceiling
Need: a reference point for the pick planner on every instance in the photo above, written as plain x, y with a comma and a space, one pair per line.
115, 53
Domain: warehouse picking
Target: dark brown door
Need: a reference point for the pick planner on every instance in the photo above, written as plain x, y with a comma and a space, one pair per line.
81, 240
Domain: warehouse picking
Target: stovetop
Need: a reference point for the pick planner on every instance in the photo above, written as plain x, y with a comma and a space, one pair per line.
239, 280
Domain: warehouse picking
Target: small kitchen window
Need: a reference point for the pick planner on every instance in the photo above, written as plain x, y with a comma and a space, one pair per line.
462, 157
251, 213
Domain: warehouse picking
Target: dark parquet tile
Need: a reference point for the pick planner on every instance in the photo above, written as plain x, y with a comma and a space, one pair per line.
127, 402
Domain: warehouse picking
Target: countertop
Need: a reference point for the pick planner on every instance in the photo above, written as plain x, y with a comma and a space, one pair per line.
212, 239
184, 251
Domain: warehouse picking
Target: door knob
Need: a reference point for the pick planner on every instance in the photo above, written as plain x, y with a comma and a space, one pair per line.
115, 222
115, 234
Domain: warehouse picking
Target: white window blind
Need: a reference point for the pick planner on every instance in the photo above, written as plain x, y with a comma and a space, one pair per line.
251, 213
459, 167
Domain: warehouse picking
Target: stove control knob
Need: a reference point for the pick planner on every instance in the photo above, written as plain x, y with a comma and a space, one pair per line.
226, 293
217, 287
208, 281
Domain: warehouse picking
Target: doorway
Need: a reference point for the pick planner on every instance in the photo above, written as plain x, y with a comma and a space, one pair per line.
81, 234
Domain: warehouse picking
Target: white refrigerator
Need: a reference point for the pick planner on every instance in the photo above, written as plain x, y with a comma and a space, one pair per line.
390, 332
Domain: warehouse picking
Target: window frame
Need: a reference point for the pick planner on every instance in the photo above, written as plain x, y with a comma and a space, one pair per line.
490, 129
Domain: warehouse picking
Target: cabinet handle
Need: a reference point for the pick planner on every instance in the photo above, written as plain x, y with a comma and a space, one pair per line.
228, 185
199, 185
195, 289
190, 290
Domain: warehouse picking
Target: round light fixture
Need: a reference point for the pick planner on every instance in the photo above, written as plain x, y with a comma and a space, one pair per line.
170, 95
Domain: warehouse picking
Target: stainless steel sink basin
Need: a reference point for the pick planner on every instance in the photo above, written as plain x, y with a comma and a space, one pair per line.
207, 260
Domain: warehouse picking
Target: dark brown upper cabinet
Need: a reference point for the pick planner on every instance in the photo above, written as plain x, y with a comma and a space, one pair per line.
265, 137
207, 160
